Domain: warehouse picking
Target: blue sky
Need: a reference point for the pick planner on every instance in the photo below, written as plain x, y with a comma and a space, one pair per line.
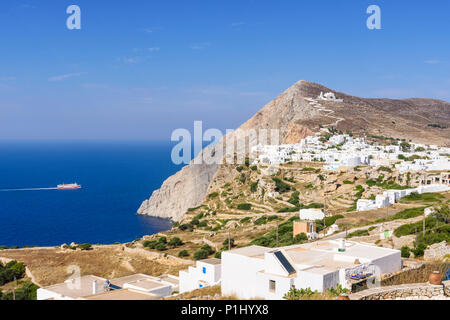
140, 69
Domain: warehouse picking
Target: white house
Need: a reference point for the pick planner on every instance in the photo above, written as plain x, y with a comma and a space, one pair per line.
206, 273
90, 287
311, 214
265, 273
391, 197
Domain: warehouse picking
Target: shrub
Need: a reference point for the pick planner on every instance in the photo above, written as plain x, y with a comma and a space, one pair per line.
162, 240
183, 253
300, 294
175, 242
225, 243
85, 246
358, 233
300, 238
245, 220
200, 254
186, 226
208, 249
160, 247
11, 270
150, 244
281, 186
244, 206
213, 195
254, 168
240, 168
259, 221
406, 252
28, 291
419, 250
254, 186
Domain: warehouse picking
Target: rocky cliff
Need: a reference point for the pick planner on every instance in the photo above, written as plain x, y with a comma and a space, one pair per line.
296, 116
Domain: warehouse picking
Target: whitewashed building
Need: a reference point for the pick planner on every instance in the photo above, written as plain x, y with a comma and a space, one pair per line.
264, 273
311, 214
90, 287
391, 197
205, 273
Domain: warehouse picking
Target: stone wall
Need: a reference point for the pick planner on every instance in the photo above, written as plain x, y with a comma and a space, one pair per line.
423, 291
437, 251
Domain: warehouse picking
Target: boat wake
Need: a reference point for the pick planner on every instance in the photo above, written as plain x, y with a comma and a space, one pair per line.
27, 189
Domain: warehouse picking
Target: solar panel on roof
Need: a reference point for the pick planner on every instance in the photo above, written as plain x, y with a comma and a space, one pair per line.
284, 262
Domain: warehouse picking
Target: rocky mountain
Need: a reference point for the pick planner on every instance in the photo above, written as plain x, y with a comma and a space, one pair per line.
298, 113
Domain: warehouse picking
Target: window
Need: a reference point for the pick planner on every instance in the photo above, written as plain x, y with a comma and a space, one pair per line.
272, 285
204, 270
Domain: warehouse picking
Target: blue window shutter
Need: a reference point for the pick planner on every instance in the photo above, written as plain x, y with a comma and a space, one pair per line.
204, 270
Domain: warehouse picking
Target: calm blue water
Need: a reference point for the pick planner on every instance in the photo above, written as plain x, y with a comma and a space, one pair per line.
116, 177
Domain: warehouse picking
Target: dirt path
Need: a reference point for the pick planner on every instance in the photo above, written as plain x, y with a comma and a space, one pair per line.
328, 112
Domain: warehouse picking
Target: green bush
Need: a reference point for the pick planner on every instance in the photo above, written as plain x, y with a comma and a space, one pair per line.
244, 206
254, 187
281, 186
358, 233
28, 291
200, 254
150, 244
183, 253
299, 294
424, 197
85, 246
11, 270
300, 238
175, 242
160, 247
245, 220
406, 252
260, 221
213, 195
186, 226
208, 249
225, 243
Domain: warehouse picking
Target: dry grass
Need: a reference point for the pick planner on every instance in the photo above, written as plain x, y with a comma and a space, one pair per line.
200, 294
49, 265
419, 275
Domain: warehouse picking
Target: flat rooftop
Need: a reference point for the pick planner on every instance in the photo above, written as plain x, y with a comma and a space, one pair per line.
71, 289
321, 257
123, 294
214, 261
119, 282
251, 251
146, 284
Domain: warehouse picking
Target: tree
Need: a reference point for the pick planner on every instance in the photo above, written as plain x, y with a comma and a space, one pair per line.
405, 146
160, 247
443, 214
406, 252
200, 254
175, 242
183, 253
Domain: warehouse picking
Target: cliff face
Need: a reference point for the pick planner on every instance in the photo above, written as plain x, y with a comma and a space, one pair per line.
296, 117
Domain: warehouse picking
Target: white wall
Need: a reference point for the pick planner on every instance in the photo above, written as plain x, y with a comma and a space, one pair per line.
239, 276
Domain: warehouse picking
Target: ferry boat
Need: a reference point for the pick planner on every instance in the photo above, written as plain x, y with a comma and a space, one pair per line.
71, 186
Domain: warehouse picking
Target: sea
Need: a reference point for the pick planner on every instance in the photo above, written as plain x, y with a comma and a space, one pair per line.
115, 178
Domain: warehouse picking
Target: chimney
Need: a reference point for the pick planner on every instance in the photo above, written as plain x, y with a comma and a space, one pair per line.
341, 245
94, 287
